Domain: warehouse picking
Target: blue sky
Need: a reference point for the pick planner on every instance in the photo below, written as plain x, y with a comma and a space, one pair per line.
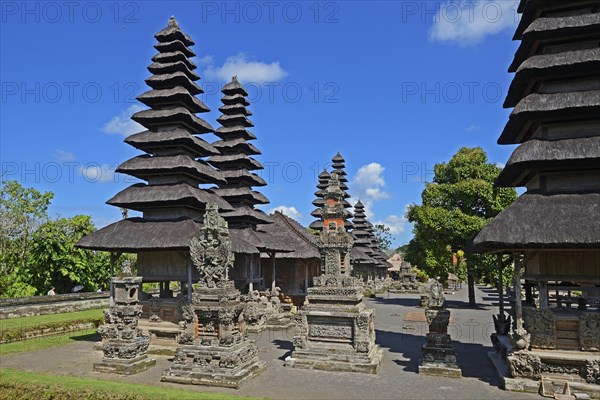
394, 86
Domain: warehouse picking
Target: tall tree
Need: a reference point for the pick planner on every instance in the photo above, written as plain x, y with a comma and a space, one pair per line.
383, 236
459, 202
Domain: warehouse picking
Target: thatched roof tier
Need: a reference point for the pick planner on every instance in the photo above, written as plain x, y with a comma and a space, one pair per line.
577, 63
556, 107
162, 141
235, 99
175, 45
548, 30
142, 197
235, 108
531, 10
359, 254
243, 215
173, 96
242, 195
234, 87
134, 235
178, 78
242, 177
235, 119
172, 32
235, 161
537, 221
146, 166
152, 119
234, 132
173, 57
542, 155
290, 232
236, 145
263, 240
170, 68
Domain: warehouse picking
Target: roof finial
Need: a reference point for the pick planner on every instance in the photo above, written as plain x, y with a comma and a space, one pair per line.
173, 22
234, 78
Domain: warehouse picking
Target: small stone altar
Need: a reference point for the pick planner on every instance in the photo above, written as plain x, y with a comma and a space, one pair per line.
439, 356
335, 330
214, 348
124, 345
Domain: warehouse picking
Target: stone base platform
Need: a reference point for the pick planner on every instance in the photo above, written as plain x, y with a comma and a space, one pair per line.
125, 367
578, 388
440, 370
215, 366
336, 358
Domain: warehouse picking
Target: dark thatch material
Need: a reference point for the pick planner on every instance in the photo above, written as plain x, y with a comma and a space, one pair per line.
241, 194
263, 240
244, 215
141, 197
172, 32
175, 45
236, 108
580, 27
551, 66
238, 160
537, 221
290, 232
152, 119
176, 95
580, 153
146, 166
135, 235
238, 145
150, 141
234, 132
178, 78
234, 87
237, 119
169, 68
173, 57
235, 99
554, 107
244, 177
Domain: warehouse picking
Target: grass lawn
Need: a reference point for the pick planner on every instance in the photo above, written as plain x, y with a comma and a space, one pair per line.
26, 384
46, 342
51, 318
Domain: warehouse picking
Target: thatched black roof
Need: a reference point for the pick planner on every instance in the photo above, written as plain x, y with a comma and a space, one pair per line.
238, 145
135, 235
538, 221
555, 107
172, 67
552, 66
172, 32
243, 177
146, 166
234, 132
294, 235
174, 45
578, 27
142, 197
176, 95
243, 216
178, 78
179, 138
580, 153
153, 119
263, 240
236, 160
169, 57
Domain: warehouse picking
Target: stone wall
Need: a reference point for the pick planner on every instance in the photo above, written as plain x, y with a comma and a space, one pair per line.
42, 305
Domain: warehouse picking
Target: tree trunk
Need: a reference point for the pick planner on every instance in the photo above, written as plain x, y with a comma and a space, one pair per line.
471, 283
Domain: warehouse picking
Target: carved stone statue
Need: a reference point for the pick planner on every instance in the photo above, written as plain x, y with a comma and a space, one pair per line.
211, 250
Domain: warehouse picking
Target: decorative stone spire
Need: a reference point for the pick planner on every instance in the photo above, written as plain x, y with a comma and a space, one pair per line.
235, 161
173, 165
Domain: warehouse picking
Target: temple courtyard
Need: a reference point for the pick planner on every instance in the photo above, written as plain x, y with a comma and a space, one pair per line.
400, 331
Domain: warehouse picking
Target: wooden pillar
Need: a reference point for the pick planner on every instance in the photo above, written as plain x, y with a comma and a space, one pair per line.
500, 286
518, 270
543, 293
528, 292
189, 282
305, 277
251, 285
273, 276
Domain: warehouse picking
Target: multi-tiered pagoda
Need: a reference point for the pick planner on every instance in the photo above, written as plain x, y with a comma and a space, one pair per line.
339, 167
553, 229
170, 200
363, 262
320, 200
236, 166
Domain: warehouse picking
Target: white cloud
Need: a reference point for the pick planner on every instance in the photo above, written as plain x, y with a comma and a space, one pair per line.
468, 22
396, 223
473, 128
367, 185
206, 60
246, 70
291, 212
63, 156
500, 165
94, 172
122, 124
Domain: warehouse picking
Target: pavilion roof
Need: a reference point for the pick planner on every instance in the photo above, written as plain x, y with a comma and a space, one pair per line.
151, 141
290, 232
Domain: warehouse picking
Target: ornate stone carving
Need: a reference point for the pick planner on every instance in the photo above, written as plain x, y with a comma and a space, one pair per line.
524, 365
362, 322
331, 331
540, 322
521, 339
589, 326
211, 250
592, 371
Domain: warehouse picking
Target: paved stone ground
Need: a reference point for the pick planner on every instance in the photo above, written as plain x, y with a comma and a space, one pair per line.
400, 332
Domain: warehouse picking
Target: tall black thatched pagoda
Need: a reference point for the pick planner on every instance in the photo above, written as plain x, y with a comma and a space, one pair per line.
236, 165
339, 167
170, 199
362, 259
319, 202
553, 229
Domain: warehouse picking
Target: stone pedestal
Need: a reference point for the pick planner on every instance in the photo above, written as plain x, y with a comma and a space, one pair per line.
439, 356
335, 330
214, 350
124, 345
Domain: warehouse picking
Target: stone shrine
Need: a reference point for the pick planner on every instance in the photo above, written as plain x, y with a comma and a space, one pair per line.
214, 348
124, 345
335, 330
439, 356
